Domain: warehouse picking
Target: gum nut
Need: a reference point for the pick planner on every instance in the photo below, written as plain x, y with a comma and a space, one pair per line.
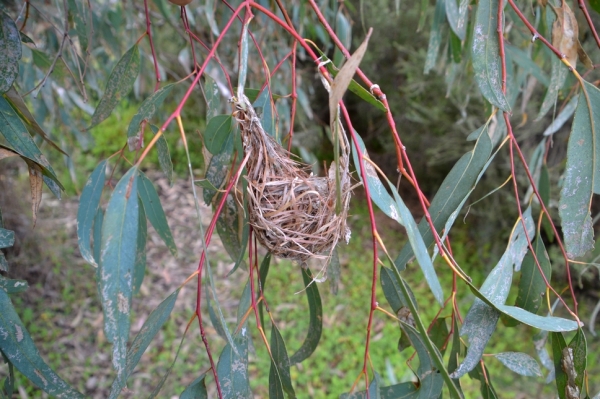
180, 2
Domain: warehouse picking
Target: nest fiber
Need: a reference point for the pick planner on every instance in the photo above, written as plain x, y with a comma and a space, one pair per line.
292, 212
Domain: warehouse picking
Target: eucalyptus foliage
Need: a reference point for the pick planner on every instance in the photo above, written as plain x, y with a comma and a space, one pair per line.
65, 66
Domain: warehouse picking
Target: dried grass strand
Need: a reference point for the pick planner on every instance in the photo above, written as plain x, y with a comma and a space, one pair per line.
292, 212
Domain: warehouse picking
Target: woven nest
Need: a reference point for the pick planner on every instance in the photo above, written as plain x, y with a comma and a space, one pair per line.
292, 212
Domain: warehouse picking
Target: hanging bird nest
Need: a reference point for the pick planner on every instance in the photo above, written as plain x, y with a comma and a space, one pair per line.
293, 213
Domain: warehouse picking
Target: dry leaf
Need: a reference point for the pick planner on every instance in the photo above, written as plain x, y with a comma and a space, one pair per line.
565, 36
344, 77
181, 3
6, 153
35, 182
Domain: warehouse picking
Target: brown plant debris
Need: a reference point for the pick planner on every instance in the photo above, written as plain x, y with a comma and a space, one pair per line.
292, 212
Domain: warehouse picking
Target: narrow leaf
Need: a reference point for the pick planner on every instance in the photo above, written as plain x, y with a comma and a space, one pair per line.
520, 363
196, 390
18, 347
547, 323
35, 184
333, 272
522, 59
217, 133
7, 238
164, 155
232, 368
10, 48
486, 388
145, 113
119, 84
481, 320
229, 225
377, 190
578, 345
79, 15
16, 101
217, 170
89, 202
457, 17
343, 78
13, 286
562, 117
581, 175
117, 261
279, 376
213, 97
139, 270
20, 141
155, 212
419, 248
267, 119
457, 184
162, 380
486, 54
243, 68
315, 326
558, 345
532, 286
156, 319
435, 35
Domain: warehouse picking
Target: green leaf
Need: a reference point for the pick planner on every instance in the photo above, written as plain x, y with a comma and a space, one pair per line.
89, 203
579, 347
13, 286
486, 54
581, 175
164, 155
243, 68
18, 347
44, 62
457, 17
279, 376
547, 323
117, 261
520, 363
563, 116
532, 286
377, 190
20, 141
196, 390
558, 345
145, 113
456, 351
98, 221
439, 334
18, 104
7, 238
10, 48
232, 368
595, 4
435, 36
354, 87
156, 319
392, 291
155, 212
419, 247
213, 97
334, 271
229, 223
522, 59
267, 118
558, 75
457, 184
162, 380
486, 388
119, 84
217, 170
481, 320
78, 14
9, 382
315, 326
139, 270
217, 133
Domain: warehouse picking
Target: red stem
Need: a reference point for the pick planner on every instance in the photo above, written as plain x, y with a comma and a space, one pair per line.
589, 21
374, 235
151, 42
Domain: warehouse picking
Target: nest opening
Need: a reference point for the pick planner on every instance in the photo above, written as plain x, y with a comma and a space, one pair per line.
292, 212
